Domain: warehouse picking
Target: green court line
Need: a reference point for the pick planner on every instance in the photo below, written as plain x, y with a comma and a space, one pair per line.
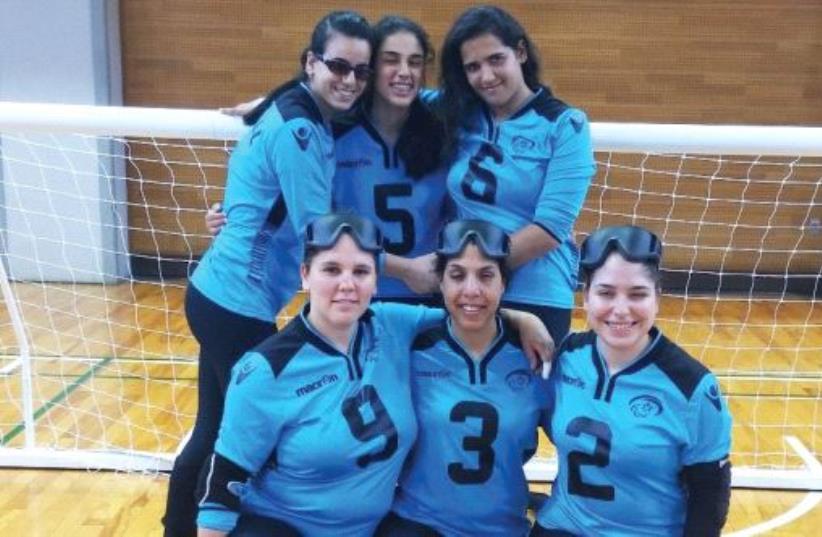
20, 427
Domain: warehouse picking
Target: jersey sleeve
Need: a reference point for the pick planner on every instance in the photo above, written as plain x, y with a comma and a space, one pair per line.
248, 435
299, 162
568, 175
709, 425
407, 321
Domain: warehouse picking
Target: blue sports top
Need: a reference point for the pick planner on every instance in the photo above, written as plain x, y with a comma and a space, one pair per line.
320, 435
478, 426
279, 180
371, 180
532, 168
622, 440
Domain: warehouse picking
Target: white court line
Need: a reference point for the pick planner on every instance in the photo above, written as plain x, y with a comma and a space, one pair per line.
810, 501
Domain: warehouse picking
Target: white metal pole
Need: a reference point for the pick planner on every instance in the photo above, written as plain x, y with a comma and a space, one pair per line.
25, 356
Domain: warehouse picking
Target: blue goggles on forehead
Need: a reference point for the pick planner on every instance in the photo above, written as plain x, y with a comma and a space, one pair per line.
636, 244
325, 231
493, 241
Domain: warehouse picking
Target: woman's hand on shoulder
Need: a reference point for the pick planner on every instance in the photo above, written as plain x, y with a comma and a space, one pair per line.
241, 109
535, 339
418, 273
215, 219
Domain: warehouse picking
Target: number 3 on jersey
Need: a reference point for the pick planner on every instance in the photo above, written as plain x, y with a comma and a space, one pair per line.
478, 183
482, 444
367, 401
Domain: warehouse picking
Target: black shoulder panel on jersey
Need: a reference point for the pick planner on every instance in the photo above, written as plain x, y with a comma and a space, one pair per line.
576, 340
428, 338
683, 370
511, 333
280, 348
296, 103
344, 123
546, 105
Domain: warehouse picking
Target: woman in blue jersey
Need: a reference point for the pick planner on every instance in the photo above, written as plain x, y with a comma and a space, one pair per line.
388, 161
389, 167
279, 179
319, 417
476, 399
522, 158
641, 430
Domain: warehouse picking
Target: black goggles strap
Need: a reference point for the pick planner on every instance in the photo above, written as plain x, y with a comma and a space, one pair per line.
493, 241
325, 231
635, 243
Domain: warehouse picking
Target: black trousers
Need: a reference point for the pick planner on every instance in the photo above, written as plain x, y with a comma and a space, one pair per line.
539, 531
394, 525
249, 525
556, 320
224, 337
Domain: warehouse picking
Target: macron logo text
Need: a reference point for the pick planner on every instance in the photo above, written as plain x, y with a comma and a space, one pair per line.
317, 384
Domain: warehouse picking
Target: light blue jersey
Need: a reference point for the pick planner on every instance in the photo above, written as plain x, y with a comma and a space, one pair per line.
624, 439
478, 425
371, 180
532, 168
319, 435
279, 180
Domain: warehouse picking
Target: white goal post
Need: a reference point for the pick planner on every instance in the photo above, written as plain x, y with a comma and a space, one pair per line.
101, 220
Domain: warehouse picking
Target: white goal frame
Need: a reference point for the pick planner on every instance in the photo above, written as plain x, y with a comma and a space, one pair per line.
155, 123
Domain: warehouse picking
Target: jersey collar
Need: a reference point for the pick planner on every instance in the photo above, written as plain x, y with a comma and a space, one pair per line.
477, 368
605, 383
313, 336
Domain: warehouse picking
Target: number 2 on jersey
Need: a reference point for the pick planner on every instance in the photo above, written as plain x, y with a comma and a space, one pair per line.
482, 444
599, 458
379, 423
478, 183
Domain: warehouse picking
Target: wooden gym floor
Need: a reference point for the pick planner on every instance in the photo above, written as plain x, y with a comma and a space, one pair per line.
127, 374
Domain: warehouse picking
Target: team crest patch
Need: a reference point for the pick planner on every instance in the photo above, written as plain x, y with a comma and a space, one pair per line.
645, 406
301, 136
713, 397
518, 380
521, 144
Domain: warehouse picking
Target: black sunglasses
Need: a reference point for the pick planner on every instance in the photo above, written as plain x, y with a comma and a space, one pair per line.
635, 243
341, 68
493, 241
325, 231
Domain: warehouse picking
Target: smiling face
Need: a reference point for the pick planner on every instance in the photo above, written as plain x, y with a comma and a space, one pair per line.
336, 93
621, 303
340, 282
400, 69
494, 72
472, 287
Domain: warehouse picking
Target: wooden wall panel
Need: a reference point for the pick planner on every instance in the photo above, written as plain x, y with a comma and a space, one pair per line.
701, 61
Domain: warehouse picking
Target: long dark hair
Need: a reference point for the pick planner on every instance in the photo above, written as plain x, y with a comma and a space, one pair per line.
347, 23
458, 98
423, 135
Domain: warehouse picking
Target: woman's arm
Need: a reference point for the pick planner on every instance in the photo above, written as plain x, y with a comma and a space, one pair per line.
706, 469
249, 433
416, 272
536, 342
565, 186
530, 243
